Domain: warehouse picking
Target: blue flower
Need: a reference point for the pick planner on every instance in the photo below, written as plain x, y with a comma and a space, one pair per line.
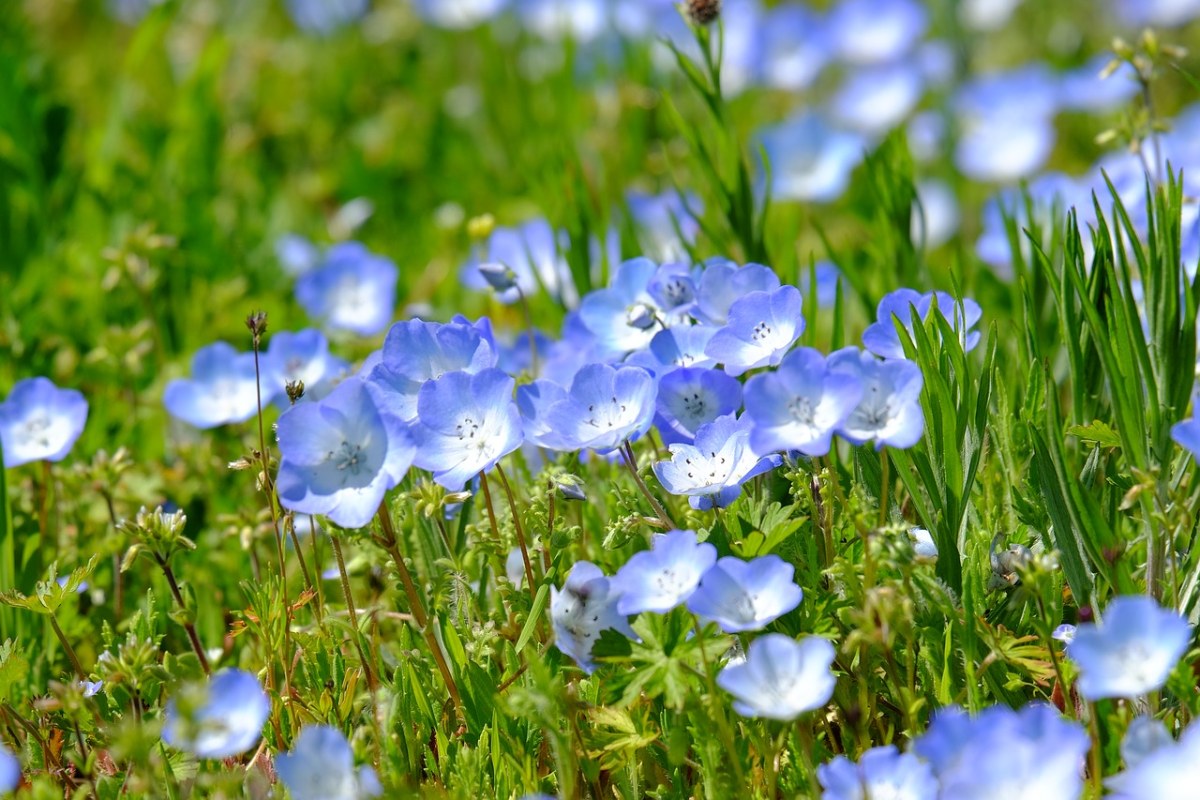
1186, 434
890, 410
40, 422
1163, 770
875, 31
10, 770
339, 456
1144, 736
746, 595
678, 346
296, 254
459, 13
665, 226
416, 352
935, 215
796, 47
673, 288
320, 766
875, 99
91, 688
352, 289
222, 718
1130, 651
809, 159
467, 424
325, 16
691, 397
1088, 88
800, 405
223, 388
1033, 752
301, 356
761, 328
1007, 123
723, 282
781, 678
663, 577
828, 277
533, 253
624, 316
1155, 13
585, 606
605, 407
881, 772
534, 401
882, 339
711, 471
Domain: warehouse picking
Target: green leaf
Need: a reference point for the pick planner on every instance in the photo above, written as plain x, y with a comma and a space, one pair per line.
535, 615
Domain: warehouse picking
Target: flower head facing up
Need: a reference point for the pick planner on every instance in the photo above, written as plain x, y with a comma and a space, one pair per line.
605, 407
40, 422
746, 595
219, 719
761, 328
882, 338
881, 772
1130, 651
623, 316
663, 577
223, 388
1033, 752
712, 470
301, 356
340, 456
722, 283
691, 397
781, 678
467, 423
889, 412
320, 766
352, 289
800, 405
585, 606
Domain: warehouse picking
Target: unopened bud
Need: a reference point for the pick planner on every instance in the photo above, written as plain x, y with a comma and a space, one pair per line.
498, 276
295, 390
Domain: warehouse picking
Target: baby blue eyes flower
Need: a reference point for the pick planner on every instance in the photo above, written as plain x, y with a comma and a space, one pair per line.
875, 31
889, 412
623, 315
761, 328
296, 254
320, 766
225, 716
781, 678
40, 422
223, 388
673, 288
881, 772
663, 577
352, 289
882, 339
324, 17
1186, 434
605, 407
530, 257
678, 346
689, 398
711, 471
301, 356
10, 770
664, 225
1160, 768
746, 595
467, 424
1130, 651
810, 160
1144, 736
340, 456
585, 606
1033, 752
722, 283
800, 405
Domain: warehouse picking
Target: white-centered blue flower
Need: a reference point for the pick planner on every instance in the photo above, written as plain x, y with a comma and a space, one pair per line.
781, 678
746, 595
762, 326
1167, 770
889, 412
585, 606
351, 289
40, 422
221, 718
663, 577
222, 389
320, 766
882, 773
711, 471
691, 397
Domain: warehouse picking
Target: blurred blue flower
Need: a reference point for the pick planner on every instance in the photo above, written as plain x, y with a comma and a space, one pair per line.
1051, 194
781, 678
91, 688
875, 99
795, 46
323, 17
223, 388
890, 410
1144, 736
663, 577
605, 407
533, 252
746, 595
351, 289
1186, 434
585, 606
223, 718
874, 31
1007, 123
882, 338
416, 351
10, 770
935, 215
986, 15
459, 13
1085, 88
1033, 752
711, 471
40, 422
296, 254
340, 455
828, 276
1156, 13
761, 328
723, 282
1130, 651
301, 356
467, 424
624, 316
800, 405
690, 397
664, 223
320, 766
881, 772
809, 159
1168, 771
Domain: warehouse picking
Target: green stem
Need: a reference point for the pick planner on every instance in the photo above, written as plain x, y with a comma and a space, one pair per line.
631, 463
372, 683
512, 507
